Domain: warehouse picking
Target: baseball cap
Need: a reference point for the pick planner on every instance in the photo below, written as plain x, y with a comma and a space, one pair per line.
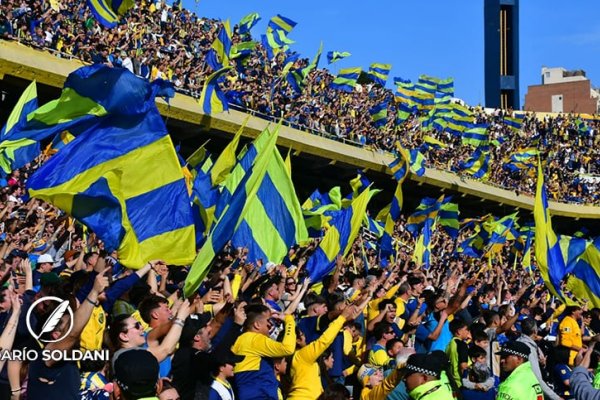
45, 258
422, 364
365, 371
226, 357
514, 348
136, 372
39, 245
192, 325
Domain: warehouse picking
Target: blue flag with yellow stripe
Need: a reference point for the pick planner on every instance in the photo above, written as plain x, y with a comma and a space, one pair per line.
109, 12
549, 258
584, 280
90, 95
281, 23
231, 217
26, 104
346, 79
274, 221
132, 194
378, 73
14, 154
212, 98
344, 227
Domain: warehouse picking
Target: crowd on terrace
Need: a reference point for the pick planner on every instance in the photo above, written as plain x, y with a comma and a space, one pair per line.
157, 40
468, 327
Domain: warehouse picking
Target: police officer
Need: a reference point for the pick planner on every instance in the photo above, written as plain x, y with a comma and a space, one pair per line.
422, 377
520, 382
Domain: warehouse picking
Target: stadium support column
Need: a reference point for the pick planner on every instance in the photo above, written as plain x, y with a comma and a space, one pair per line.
501, 25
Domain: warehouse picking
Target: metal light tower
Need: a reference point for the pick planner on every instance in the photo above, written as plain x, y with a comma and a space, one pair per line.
501, 25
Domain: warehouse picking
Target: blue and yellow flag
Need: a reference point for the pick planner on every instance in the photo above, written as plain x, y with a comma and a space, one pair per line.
346, 79
212, 98
422, 252
428, 209
14, 154
448, 219
548, 255
109, 12
515, 122
378, 73
359, 183
399, 81
477, 135
521, 159
247, 22
344, 227
478, 164
415, 99
59, 141
205, 197
584, 280
236, 210
319, 208
474, 246
500, 231
446, 86
379, 114
392, 214
430, 141
404, 112
222, 46
296, 78
334, 56
227, 159
91, 94
281, 23
274, 220
132, 194
242, 50
26, 104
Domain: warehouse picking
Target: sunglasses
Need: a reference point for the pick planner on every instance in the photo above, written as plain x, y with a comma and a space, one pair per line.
137, 325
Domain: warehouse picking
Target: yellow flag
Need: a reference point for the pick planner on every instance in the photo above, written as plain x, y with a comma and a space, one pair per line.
227, 158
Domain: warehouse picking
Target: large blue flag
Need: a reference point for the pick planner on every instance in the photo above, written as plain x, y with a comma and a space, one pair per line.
132, 194
549, 257
338, 240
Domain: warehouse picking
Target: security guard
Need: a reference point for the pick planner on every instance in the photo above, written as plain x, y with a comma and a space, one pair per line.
521, 383
422, 377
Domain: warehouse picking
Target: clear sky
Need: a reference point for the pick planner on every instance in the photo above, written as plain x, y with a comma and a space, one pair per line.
437, 37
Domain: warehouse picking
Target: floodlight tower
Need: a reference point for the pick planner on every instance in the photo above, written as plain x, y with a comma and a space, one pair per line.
501, 25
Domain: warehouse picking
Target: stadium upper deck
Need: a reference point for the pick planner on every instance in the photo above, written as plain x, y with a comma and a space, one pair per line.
317, 159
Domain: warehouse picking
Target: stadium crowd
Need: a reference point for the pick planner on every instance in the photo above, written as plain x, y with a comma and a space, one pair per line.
157, 40
466, 328
469, 328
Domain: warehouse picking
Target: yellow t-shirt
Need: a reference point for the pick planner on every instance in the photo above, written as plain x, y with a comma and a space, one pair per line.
570, 336
93, 333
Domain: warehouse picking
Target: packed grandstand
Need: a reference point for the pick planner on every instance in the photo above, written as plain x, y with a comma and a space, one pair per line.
192, 295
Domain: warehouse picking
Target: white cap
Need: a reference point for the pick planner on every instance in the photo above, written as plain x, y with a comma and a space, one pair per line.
45, 258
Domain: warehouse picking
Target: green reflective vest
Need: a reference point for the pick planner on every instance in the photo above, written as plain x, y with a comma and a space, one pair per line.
521, 384
432, 390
